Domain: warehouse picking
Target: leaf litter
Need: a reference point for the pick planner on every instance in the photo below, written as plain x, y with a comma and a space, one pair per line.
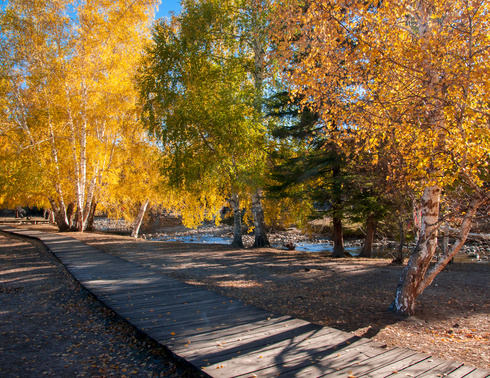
54, 327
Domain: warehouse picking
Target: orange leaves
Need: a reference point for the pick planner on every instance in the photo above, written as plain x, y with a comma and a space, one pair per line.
400, 73
77, 96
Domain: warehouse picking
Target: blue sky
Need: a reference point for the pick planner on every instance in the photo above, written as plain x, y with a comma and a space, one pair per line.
166, 6
163, 9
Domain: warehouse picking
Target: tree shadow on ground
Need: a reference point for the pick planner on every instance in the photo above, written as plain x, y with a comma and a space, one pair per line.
349, 294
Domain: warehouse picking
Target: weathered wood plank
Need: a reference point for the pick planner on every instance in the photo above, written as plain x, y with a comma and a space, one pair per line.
371, 364
394, 367
209, 336
331, 364
478, 373
171, 302
168, 326
442, 369
462, 371
181, 318
422, 367
271, 338
226, 337
190, 302
157, 287
209, 305
294, 357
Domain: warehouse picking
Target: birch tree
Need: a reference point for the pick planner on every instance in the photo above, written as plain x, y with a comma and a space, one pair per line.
410, 74
199, 87
69, 69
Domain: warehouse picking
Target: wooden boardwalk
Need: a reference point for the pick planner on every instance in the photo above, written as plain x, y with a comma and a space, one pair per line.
225, 337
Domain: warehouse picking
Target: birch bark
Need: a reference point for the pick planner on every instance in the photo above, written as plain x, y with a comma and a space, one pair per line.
139, 219
260, 231
261, 239
410, 285
237, 221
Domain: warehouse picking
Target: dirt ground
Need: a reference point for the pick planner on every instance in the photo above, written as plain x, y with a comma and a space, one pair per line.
51, 326
353, 294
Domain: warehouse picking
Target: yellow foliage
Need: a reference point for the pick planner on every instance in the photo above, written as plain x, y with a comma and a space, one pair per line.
70, 114
409, 74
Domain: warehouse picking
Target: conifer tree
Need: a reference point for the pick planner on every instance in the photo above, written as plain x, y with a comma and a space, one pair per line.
409, 74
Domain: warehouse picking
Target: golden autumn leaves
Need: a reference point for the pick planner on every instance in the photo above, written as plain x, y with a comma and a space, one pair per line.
406, 81
410, 73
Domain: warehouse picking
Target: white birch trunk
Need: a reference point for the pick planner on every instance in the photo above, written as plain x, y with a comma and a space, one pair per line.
261, 239
78, 178
59, 213
83, 164
237, 221
139, 219
410, 285
89, 200
460, 240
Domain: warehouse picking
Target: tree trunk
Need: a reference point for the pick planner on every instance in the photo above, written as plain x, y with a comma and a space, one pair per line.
399, 256
445, 240
70, 210
89, 200
417, 220
59, 213
258, 49
261, 239
139, 219
367, 249
338, 237
237, 221
413, 275
51, 218
90, 218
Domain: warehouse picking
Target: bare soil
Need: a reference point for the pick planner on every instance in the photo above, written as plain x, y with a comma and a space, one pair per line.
352, 294
51, 326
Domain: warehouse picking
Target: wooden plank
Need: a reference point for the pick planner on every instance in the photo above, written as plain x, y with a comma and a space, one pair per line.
478, 373
170, 300
103, 274
421, 367
226, 349
173, 301
204, 339
166, 326
191, 302
159, 287
460, 372
442, 369
397, 365
371, 364
153, 284
280, 359
165, 316
128, 287
129, 283
332, 363
208, 336
209, 305
183, 317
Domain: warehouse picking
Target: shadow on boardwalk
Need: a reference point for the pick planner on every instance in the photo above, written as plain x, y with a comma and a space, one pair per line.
185, 318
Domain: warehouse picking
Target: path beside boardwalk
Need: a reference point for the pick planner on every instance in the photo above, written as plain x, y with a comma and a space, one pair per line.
226, 337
